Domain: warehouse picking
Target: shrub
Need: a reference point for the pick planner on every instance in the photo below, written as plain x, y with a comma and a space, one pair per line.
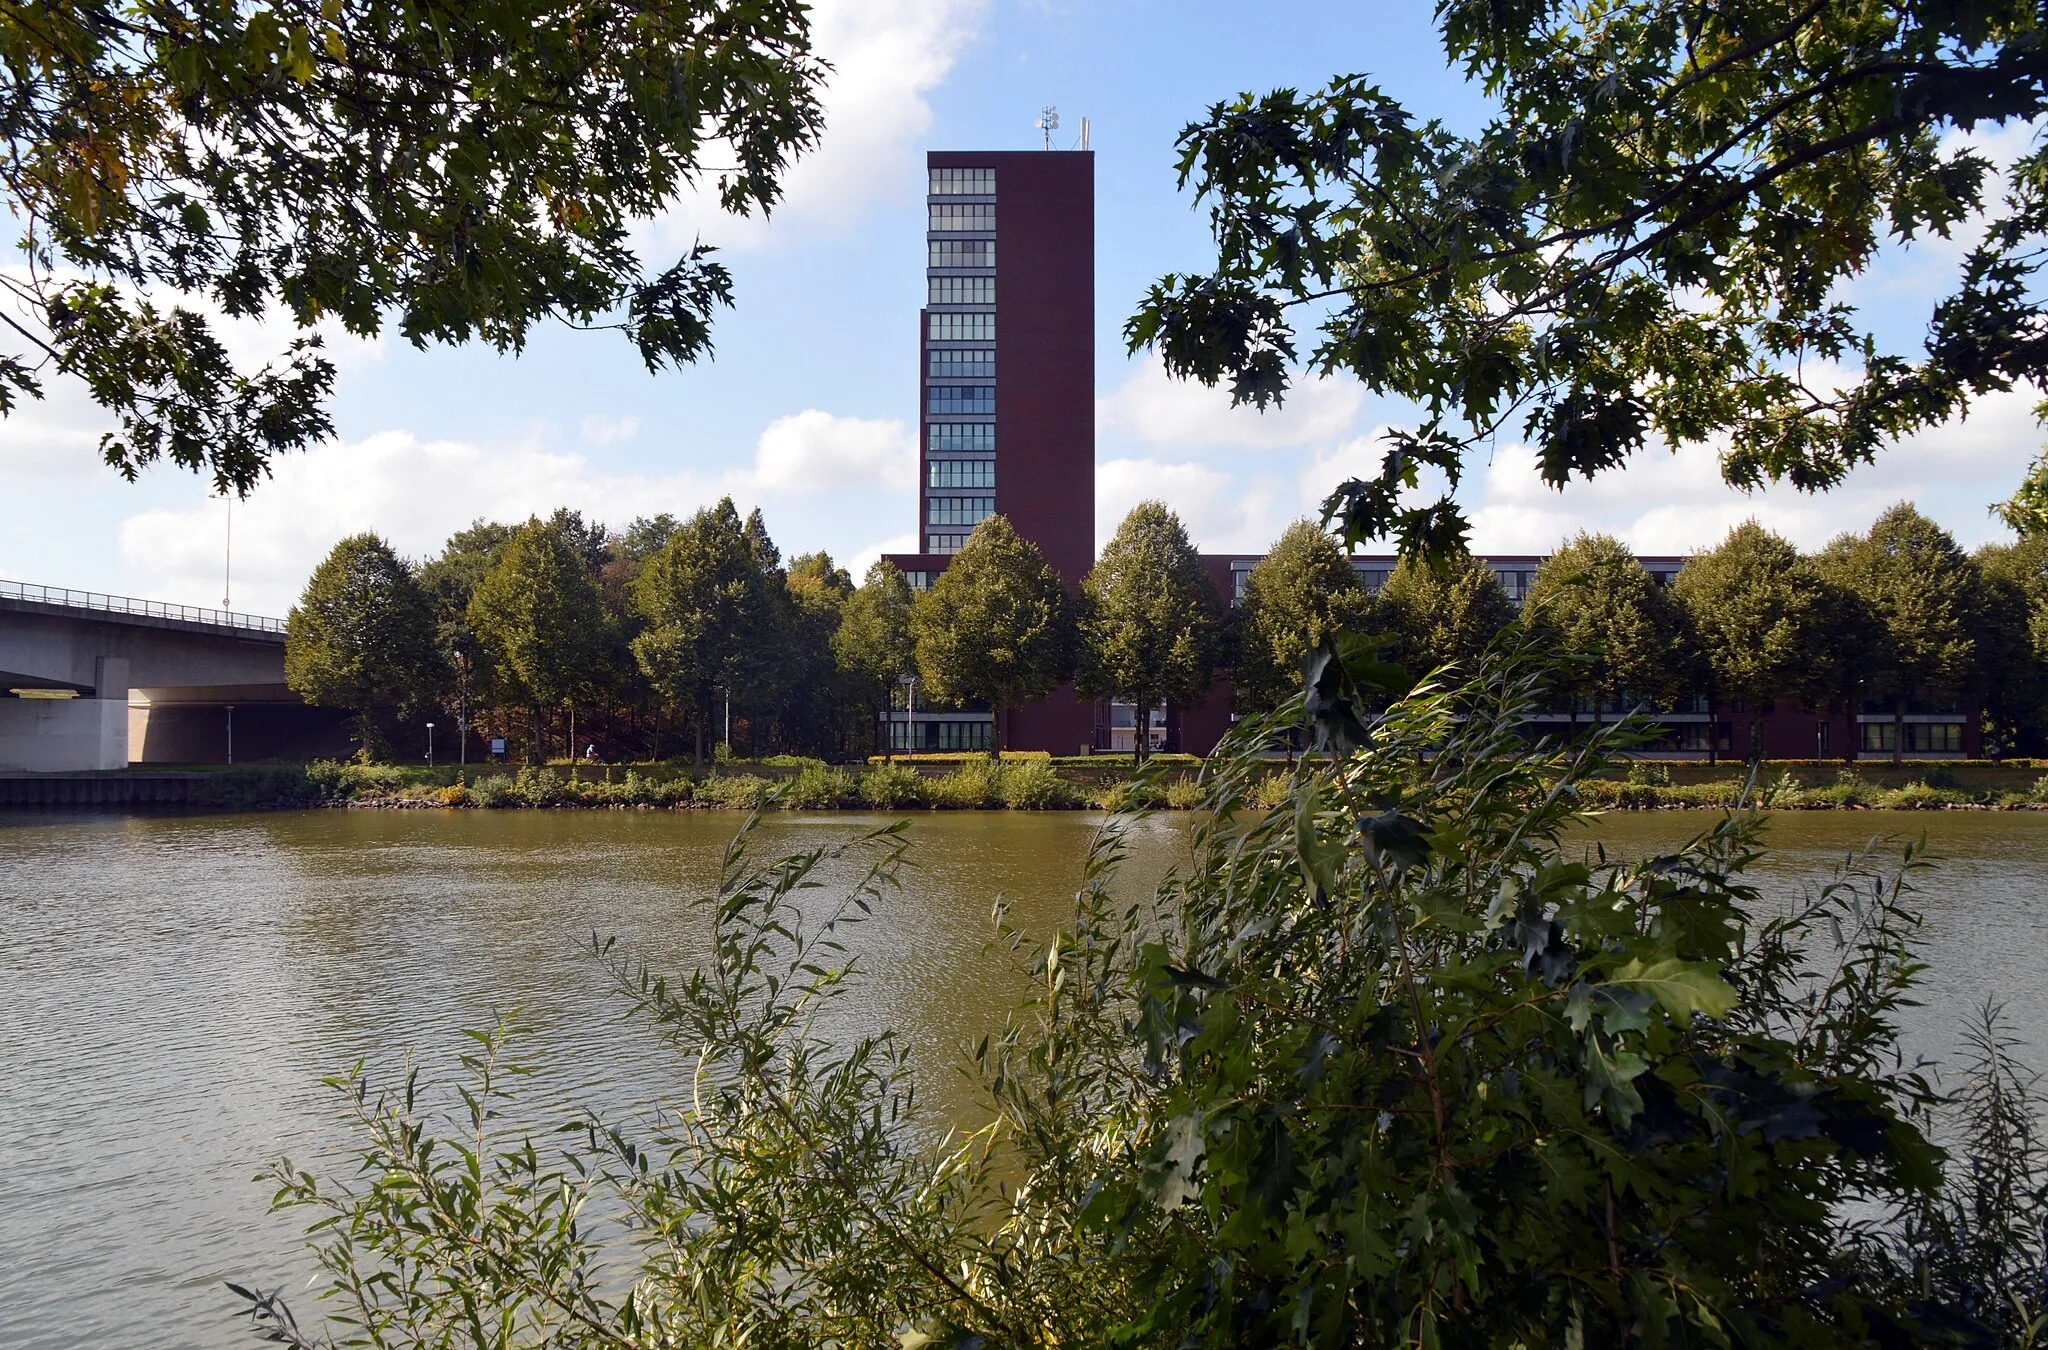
819, 788
1033, 785
732, 792
1919, 797
1848, 789
539, 787
1271, 790
1184, 794
457, 795
971, 787
1649, 773
677, 791
1406, 1067
1939, 776
891, 787
495, 790
371, 780
1134, 794
328, 779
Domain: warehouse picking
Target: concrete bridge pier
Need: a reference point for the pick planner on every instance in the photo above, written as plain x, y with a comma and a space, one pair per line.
44, 734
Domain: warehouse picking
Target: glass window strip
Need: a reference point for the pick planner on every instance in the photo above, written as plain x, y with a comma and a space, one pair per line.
952, 182
962, 399
959, 510
962, 253
963, 290
978, 216
962, 327
964, 363
974, 438
961, 473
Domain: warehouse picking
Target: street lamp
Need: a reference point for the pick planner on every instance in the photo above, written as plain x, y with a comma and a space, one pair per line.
430, 745
231, 733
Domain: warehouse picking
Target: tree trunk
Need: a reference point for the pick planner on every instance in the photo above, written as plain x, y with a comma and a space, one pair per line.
697, 722
540, 741
1898, 731
1142, 741
995, 736
1756, 739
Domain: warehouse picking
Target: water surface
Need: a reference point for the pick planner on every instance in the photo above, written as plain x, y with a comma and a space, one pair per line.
173, 988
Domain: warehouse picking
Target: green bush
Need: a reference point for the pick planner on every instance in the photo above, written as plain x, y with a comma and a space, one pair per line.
891, 787
1649, 773
1033, 785
495, 790
1184, 794
1407, 1067
328, 779
819, 788
732, 792
1848, 789
677, 791
1134, 794
1920, 797
540, 787
971, 787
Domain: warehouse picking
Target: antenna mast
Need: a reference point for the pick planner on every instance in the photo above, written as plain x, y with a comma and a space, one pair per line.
1048, 122
227, 561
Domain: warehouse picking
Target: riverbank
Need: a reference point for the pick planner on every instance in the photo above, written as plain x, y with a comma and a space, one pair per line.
1025, 783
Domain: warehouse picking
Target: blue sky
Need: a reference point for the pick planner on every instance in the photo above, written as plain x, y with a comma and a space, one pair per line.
809, 409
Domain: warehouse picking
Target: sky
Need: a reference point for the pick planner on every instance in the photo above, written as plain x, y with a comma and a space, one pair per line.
808, 409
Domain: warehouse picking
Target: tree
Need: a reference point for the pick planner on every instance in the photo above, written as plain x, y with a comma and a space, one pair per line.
816, 701
1442, 614
1151, 620
1297, 597
2012, 641
1926, 597
538, 616
1759, 614
1597, 602
1646, 242
362, 636
873, 646
707, 603
995, 625
461, 173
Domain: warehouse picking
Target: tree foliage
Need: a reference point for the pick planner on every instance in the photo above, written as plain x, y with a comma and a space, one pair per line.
1763, 620
1594, 599
1394, 1064
1646, 242
1925, 596
460, 173
1297, 597
873, 644
1150, 628
362, 635
1438, 615
540, 622
995, 625
709, 607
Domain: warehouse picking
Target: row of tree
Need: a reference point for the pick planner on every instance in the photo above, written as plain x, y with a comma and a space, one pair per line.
696, 630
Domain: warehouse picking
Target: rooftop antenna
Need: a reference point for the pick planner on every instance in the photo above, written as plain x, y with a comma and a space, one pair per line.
227, 561
1048, 122
1084, 134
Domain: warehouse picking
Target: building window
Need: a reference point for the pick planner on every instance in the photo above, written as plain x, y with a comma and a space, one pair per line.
972, 438
919, 580
963, 327
961, 510
962, 473
964, 363
980, 216
941, 736
1879, 736
963, 183
963, 290
1515, 581
944, 545
1945, 738
1372, 578
963, 399
963, 253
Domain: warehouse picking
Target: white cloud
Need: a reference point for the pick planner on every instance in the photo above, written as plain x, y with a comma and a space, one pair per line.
1153, 407
413, 493
814, 451
1664, 503
886, 55
601, 430
1223, 512
865, 558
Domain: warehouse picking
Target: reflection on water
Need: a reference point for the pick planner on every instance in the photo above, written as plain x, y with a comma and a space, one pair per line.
173, 988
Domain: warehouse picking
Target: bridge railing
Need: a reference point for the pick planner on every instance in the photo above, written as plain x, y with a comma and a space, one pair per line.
128, 604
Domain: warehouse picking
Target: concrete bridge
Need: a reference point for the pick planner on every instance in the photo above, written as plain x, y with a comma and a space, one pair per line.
93, 681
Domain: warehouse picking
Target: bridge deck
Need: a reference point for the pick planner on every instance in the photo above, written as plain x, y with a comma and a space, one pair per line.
30, 598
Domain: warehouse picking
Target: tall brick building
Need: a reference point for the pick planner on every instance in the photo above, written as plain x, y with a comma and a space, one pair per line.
1006, 392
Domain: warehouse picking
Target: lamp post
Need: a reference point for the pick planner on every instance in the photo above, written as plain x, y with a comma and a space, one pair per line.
430, 745
231, 733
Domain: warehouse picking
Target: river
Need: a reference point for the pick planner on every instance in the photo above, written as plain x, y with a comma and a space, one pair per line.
172, 989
